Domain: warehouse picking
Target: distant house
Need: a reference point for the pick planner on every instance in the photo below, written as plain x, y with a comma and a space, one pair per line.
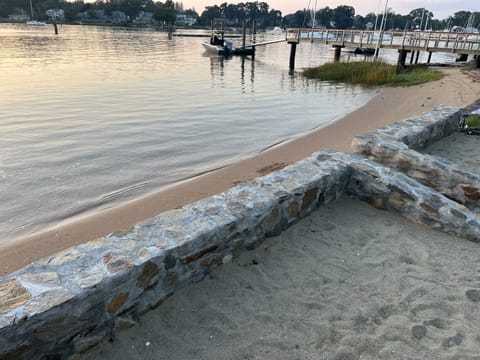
56, 14
232, 21
100, 15
119, 17
144, 17
82, 16
185, 20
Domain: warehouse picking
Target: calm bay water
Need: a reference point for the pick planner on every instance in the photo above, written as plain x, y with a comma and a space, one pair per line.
97, 116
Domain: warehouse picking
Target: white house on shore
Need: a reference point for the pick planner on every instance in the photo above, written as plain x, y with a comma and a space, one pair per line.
185, 20
56, 14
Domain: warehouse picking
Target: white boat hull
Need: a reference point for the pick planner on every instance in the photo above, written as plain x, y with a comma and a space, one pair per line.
213, 49
218, 49
36, 23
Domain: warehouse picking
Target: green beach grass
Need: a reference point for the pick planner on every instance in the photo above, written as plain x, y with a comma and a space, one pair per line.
372, 73
473, 120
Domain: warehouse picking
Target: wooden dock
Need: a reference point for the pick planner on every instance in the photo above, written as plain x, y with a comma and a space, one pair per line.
204, 35
403, 41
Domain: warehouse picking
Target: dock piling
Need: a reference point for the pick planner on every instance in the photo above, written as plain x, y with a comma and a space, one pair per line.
402, 57
244, 34
293, 51
429, 57
338, 52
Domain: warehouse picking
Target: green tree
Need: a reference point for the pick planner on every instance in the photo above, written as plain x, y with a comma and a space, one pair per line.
165, 13
358, 22
419, 18
210, 14
460, 18
73, 9
324, 17
296, 19
274, 18
343, 16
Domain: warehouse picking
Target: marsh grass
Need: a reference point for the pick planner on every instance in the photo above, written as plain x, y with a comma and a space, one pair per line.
473, 120
372, 73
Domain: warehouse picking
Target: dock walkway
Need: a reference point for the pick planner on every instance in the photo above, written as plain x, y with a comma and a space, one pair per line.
451, 42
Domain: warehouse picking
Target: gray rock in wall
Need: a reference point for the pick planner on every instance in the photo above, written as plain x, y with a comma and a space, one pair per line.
395, 146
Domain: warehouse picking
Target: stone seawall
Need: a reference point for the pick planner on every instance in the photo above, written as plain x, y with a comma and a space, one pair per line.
398, 146
62, 305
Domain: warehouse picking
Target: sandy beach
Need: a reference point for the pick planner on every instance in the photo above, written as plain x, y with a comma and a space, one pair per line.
389, 105
348, 282
458, 148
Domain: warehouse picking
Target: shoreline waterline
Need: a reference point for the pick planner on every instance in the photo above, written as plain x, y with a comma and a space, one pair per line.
387, 106
96, 117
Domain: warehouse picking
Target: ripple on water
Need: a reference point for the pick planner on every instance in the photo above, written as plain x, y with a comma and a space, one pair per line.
97, 115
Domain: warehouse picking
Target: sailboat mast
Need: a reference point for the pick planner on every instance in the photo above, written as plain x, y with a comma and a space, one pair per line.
382, 28
376, 17
31, 9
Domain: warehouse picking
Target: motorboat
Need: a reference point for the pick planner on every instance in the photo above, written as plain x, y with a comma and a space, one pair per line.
220, 47
217, 44
36, 23
276, 31
357, 50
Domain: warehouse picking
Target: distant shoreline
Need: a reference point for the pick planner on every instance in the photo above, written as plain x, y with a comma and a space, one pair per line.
389, 105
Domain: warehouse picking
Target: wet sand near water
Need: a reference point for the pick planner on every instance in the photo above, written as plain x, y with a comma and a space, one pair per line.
347, 282
390, 105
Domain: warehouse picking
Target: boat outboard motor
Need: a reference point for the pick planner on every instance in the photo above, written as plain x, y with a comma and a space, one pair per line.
228, 45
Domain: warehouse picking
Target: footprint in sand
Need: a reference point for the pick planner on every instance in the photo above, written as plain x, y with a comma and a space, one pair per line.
452, 341
473, 295
328, 226
437, 322
419, 332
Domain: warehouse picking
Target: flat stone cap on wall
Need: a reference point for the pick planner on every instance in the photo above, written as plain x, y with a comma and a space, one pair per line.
399, 146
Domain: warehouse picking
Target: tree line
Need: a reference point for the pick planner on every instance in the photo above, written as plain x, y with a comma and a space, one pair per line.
344, 17
341, 17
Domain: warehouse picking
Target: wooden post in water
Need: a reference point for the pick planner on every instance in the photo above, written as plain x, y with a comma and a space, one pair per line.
477, 62
338, 52
293, 51
402, 57
55, 27
429, 57
244, 34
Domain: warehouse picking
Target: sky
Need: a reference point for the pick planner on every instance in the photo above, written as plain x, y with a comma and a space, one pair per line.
441, 8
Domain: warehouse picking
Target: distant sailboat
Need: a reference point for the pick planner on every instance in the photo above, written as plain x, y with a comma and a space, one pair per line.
34, 22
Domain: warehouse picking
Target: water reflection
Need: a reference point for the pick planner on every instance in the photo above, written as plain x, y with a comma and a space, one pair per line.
251, 63
96, 116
